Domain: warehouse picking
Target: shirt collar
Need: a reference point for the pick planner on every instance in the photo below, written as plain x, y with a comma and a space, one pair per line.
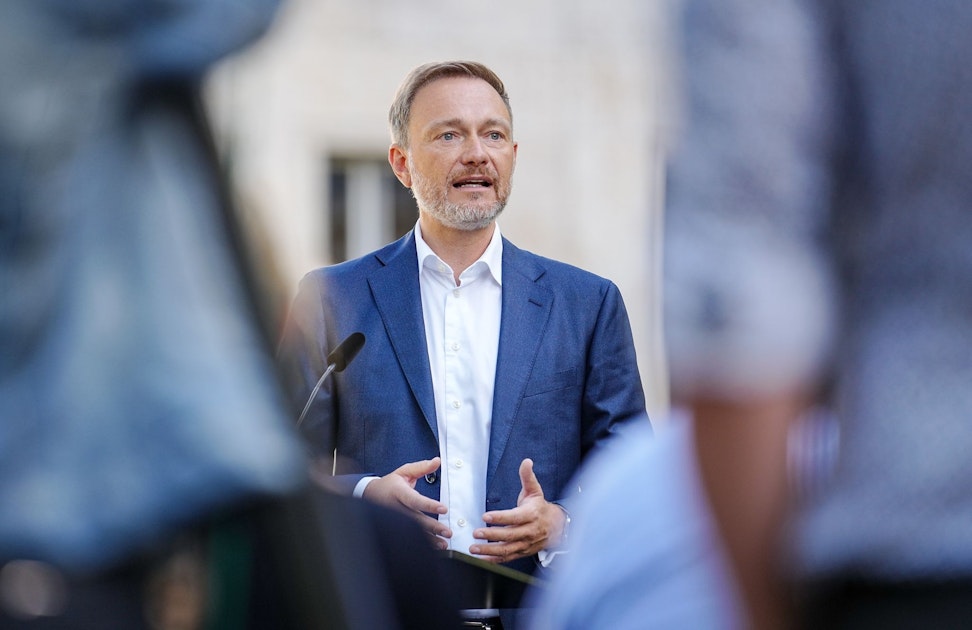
492, 258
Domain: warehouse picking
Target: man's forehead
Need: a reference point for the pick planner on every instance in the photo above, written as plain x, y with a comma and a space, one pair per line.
456, 98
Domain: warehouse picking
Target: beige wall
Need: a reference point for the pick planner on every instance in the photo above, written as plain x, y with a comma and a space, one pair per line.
586, 86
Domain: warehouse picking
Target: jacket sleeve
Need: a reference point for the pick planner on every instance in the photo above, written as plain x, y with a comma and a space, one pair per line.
613, 394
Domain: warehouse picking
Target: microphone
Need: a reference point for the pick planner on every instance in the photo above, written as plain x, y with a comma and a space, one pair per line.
336, 362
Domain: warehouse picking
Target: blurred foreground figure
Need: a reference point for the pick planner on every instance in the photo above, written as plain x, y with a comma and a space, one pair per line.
647, 555
136, 391
818, 250
133, 379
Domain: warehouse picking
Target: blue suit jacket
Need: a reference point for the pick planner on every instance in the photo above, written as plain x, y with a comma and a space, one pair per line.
566, 373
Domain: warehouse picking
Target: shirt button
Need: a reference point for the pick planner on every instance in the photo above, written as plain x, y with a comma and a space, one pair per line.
456, 404
455, 292
459, 463
455, 347
461, 522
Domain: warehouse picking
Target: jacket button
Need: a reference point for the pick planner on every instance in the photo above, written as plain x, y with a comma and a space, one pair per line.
430, 478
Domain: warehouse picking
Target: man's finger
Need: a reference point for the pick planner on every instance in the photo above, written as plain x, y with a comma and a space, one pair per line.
528, 480
506, 518
497, 534
414, 470
499, 552
397, 490
419, 503
437, 542
434, 527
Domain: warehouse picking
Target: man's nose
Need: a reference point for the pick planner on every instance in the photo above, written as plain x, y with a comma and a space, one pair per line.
473, 151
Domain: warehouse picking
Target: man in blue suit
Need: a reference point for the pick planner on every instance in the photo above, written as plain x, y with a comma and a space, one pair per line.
488, 372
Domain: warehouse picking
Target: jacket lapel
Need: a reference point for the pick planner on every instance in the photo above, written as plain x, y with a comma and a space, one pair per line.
395, 287
525, 312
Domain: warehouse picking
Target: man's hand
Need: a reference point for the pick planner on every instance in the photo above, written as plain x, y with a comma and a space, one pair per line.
397, 490
534, 524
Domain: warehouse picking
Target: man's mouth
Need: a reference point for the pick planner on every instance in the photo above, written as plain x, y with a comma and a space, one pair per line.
473, 182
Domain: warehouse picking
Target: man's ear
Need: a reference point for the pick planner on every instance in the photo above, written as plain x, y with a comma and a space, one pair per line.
398, 159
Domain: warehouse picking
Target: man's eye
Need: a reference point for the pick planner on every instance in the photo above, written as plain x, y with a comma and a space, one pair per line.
496, 136
448, 135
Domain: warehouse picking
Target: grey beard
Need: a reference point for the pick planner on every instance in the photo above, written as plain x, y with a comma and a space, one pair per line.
459, 217
467, 218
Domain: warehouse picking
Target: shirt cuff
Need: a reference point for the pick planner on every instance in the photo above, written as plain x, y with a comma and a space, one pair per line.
546, 557
359, 488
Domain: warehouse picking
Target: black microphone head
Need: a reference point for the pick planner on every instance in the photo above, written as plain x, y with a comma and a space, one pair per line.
346, 351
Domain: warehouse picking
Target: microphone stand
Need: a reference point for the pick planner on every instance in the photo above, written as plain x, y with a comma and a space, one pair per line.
313, 394
336, 362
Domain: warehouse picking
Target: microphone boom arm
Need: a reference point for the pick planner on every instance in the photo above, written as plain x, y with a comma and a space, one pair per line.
313, 394
336, 362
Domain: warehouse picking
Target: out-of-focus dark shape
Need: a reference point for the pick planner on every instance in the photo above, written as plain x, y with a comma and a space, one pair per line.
665, 570
817, 250
134, 383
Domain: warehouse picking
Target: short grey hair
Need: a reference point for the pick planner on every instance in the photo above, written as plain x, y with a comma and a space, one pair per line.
401, 108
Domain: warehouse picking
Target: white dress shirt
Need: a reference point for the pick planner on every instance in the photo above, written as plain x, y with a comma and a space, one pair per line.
462, 323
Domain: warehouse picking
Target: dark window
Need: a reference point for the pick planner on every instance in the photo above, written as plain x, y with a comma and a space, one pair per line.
365, 226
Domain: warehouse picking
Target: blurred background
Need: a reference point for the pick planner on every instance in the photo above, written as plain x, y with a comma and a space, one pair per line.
301, 124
